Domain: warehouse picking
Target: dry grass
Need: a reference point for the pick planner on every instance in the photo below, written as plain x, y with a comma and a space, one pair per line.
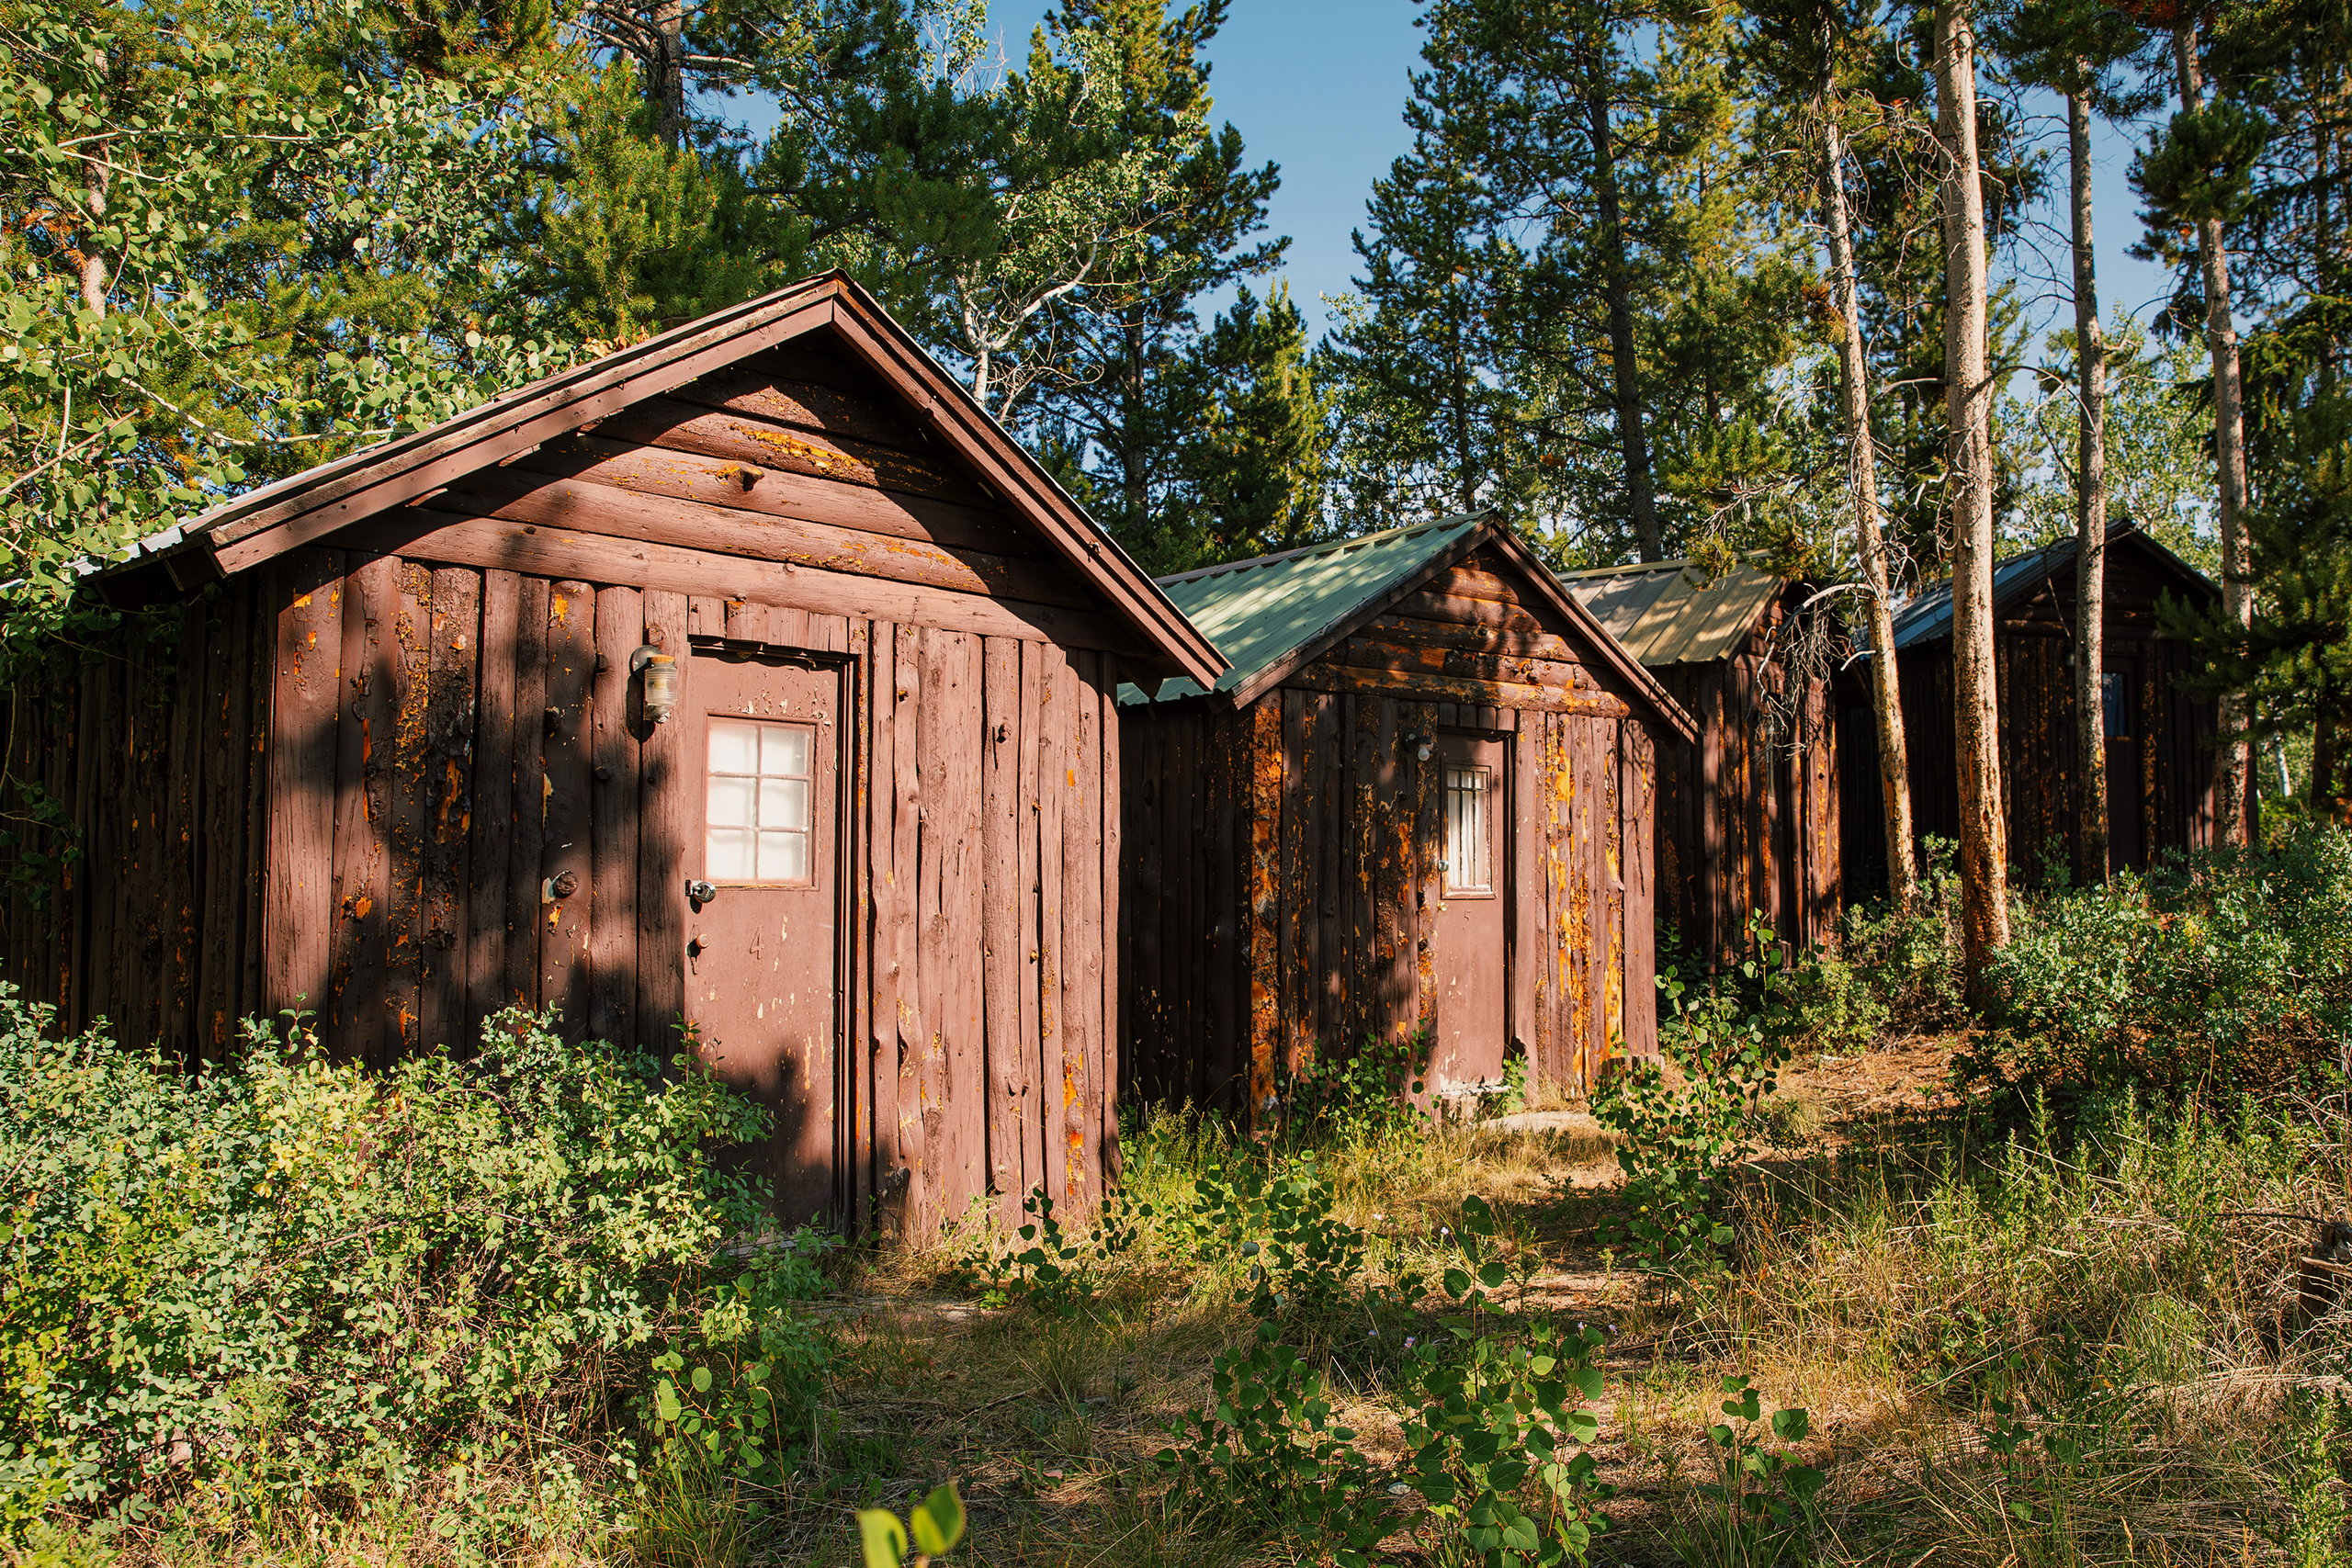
1886, 1268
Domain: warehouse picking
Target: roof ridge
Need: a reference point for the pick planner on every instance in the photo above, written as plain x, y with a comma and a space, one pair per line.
1323, 547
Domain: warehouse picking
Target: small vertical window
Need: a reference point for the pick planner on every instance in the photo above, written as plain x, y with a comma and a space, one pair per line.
1469, 858
757, 818
2115, 704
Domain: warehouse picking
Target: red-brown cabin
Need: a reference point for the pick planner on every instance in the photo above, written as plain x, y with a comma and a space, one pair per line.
2159, 739
394, 750
1419, 802
1748, 818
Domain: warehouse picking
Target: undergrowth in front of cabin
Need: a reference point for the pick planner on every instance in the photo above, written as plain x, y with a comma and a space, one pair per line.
1856, 1277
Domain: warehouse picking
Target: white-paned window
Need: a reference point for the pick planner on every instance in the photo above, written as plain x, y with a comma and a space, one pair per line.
757, 811
1469, 840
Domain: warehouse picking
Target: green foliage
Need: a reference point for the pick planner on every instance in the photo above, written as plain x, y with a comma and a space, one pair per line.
1053, 1273
933, 1528
1760, 1508
2319, 1431
295, 1283
1680, 1137
1268, 1444
1495, 1415
2231, 969
1301, 1257
1355, 1101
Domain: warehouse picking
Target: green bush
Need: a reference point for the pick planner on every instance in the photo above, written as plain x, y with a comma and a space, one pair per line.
295, 1281
2228, 970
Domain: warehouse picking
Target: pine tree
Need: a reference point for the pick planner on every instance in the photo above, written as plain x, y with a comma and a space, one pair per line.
1121, 393
1253, 464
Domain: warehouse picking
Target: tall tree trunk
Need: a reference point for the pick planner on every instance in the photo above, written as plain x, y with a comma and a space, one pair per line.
2322, 784
665, 73
1853, 376
2090, 511
1983, 829
1135, 475
1641, 496
93, 272
2229, 758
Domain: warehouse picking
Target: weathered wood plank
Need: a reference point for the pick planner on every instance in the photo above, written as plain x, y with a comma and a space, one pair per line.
1473, 638
567, 845
450, 703
880, 1075
408, 643
615, 802
1109, 925
1527, 902
1262, 738
844, 460
1083, 870
1427, 884
906, 920
358, 1026
526, 846
305, 709
761, 387
1028, 736
491, 811
1401, 657
1052, 718
531, 548
1294, 957
1001, 966
665, 813
1420, 687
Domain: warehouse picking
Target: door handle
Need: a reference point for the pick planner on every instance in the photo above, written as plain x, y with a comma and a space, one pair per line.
701, 892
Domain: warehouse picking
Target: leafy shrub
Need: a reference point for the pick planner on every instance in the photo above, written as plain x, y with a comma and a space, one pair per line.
295, 1280
2231, 969
933, 1528
1495, 1415
1052, 1271
1890, 968
1358, 1100
1760, 1507
1681, 1134
1269, 1445
1300, 1256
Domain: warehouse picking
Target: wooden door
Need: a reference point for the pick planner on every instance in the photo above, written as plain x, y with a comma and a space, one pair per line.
2119, 717
763, 900
1472, 964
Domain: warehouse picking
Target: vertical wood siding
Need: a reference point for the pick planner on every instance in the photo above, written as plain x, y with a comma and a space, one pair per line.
1280, 890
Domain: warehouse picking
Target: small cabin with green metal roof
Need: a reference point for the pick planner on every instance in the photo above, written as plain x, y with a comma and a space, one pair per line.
1419, 803
1748, 818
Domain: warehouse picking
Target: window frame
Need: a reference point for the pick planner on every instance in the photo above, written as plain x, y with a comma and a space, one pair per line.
810, 733
1448, 888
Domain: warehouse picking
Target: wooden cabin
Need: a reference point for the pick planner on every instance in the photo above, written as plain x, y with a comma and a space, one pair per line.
749, 679
1748, 815
2159, 740
1419, 803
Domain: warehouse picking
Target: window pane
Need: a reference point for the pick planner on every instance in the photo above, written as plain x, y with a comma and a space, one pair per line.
730, 803
784, 751
1469, 863
784, 803
2116, 700
783, 857
734, 746
726, 855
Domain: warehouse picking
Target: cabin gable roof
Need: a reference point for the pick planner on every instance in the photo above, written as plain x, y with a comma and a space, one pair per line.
1672, 612
943, 475
1927, 617
1274, 614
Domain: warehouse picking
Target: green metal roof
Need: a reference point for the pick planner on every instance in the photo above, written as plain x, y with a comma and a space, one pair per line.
1259, 611
1671, 612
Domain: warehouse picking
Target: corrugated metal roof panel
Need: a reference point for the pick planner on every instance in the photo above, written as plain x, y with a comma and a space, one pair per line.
1671, 612
1259, 610
1928, 615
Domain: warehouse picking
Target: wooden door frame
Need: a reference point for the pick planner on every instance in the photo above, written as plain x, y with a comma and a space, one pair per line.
1506, 852
849, 844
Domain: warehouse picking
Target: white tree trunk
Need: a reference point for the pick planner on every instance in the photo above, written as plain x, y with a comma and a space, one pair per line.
1984, 828
2090, 514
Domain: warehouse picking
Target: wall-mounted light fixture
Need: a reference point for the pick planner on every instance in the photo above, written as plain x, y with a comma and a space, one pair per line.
1420, 743
660, 675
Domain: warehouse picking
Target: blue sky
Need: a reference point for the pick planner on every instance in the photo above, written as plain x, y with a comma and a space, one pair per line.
1319, 86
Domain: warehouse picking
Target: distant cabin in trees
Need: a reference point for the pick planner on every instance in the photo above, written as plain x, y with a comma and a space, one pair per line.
749, 677
1419, 801
1749, 814
2159, 739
